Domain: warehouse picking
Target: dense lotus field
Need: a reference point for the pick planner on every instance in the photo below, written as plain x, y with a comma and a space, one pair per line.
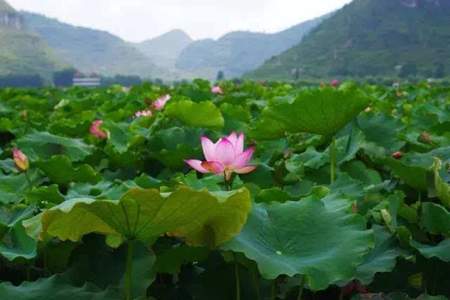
251, 191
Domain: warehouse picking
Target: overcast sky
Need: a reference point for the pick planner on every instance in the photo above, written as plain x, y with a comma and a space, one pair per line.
137, 20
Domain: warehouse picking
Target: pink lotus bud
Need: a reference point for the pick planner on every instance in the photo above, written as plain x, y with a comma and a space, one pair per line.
96, 130
225, 156
397, 155
335, 83
21, 160
144, 113
161, 102
217, 90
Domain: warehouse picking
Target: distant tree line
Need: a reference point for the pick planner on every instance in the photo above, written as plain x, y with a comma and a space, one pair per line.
29, 81
64, 78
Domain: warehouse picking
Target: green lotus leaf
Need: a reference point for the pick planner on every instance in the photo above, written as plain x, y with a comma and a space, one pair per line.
382, 258
59, 169
45, 195
383, 130
119, 136
43, 145
319, 111
441, 250
199, 217
171, 260
441, 186
173, 145
17, 244
55, 288
203, 114
435, 219
413, 175
14, 242
324, 243
12, 187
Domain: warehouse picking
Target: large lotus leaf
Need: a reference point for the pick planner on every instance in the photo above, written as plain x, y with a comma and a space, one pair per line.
200, 217
17, 244
202, 114
45, 196
413, 168
319, 111
55, 288
14, 242
12, 187
441, 250
60, 170
382, 130
324, 243
441, 186
43, 145
435, 219
382, 258
413, 175
173, 145
171, 260
119, 136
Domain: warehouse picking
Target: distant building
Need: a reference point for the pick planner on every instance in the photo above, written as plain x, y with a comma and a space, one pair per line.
92, 80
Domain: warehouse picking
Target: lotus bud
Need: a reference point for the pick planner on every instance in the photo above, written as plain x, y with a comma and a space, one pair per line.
397, 155
21, 160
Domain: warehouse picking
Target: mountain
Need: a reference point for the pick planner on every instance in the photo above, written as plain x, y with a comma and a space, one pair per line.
90, 50
22, 52
371, 38
239, 52
165, 49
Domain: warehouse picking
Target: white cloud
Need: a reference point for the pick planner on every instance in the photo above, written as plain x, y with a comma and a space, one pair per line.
136, 20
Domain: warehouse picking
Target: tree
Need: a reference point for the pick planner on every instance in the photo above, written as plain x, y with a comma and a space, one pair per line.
30, 81
408, 70
439, 71
64, 78
220, 76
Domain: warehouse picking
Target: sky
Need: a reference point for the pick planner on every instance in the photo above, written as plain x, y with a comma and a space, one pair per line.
138, 20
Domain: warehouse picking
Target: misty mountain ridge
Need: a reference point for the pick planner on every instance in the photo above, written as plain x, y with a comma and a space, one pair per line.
240, 51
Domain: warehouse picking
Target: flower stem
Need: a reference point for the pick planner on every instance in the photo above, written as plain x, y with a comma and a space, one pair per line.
129, 272
301, 288
274, 292
256, 284
333, 159
238, 281
27, 176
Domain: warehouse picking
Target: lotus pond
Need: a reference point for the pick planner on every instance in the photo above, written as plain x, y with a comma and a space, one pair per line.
252, 191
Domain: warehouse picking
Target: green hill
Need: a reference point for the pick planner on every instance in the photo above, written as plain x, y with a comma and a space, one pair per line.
21, 52
91, 50
371, 38
238, 52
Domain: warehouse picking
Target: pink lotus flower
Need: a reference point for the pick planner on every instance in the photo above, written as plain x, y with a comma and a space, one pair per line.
224, 157
21, 160
161, 102
217, 90
144, 113
96, 130
335, 83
